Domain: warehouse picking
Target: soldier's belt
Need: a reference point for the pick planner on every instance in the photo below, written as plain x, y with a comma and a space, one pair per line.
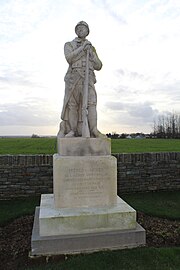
81, 70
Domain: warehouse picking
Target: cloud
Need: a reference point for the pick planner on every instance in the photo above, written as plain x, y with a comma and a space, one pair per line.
28, 113
111, 9
130, 117
115, 106
16, 77
160, 89
166, 93
134, 75
129, 83
170, 88
20, 17
143, 111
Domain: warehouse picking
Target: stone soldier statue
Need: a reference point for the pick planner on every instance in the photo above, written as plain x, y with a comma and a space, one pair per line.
76, 53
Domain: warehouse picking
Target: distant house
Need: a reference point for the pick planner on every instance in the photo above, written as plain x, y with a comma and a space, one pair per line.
140, 137
128, 137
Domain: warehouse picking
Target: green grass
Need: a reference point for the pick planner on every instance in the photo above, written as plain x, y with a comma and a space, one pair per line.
162, 204
136, 259
15, 146
145, 145
12, 209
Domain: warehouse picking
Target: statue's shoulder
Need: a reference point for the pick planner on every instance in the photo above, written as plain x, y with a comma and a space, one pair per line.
71, 43
68, 44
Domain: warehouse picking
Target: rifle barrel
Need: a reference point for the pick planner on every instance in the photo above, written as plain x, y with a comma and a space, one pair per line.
85, 125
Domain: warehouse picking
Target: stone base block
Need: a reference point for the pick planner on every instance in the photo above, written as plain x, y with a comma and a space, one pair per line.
82, 243
84, 220
79, 146
84, 181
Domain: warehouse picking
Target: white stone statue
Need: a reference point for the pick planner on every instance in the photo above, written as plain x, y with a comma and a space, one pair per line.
79, 113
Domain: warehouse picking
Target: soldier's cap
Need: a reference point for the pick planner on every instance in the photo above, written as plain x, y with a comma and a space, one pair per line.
82, 23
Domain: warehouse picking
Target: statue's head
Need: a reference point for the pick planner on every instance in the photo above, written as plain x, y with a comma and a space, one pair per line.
82, 29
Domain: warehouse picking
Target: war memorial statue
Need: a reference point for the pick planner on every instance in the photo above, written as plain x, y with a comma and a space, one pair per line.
79, 113
84, 212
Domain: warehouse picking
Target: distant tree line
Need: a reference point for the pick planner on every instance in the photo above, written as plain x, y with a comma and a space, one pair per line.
115, 135
167, 126
35, 136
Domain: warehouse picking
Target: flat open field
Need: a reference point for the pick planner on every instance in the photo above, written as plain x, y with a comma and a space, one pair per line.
145, 145
16, 146
31, 146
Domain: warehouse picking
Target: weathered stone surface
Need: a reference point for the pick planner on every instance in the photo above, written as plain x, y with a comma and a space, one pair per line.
84, 220
84, 181
83, 146
86, 242
79, 112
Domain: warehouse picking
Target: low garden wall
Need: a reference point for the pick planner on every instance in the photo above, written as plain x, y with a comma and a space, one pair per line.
31, 175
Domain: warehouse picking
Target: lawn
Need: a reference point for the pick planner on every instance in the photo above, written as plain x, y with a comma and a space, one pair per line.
160, 204
17, 146
12, 209
145, 145
136, 259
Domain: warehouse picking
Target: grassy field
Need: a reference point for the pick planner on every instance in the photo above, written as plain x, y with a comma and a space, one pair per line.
12, 209
145, 145
161, 204
16, 146
136, 259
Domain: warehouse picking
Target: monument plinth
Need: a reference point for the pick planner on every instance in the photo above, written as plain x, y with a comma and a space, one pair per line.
79, 146
85, 181
84, 213
69, 221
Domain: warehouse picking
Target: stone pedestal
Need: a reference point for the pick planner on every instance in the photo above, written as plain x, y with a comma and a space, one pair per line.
63, 221
84, 206
84, 181
84, 242
83, 146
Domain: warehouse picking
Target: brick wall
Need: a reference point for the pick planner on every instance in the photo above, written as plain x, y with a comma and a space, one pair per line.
148, 172
29, 175
25, 175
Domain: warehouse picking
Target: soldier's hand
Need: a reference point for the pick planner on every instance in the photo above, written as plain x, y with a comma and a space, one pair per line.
87, 45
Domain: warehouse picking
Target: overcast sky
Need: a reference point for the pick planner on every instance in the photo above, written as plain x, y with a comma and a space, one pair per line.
138, 42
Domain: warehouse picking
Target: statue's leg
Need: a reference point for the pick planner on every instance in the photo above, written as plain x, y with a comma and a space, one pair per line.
92, 119
92, 114
64, 128
61, 132
73, 117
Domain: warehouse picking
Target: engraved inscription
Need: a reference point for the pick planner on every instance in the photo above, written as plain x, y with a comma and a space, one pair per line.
86, 183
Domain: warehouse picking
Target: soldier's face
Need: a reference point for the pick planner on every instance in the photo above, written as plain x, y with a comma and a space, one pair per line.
81, 31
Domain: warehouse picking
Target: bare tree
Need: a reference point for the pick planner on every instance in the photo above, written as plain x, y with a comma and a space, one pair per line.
167, 126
